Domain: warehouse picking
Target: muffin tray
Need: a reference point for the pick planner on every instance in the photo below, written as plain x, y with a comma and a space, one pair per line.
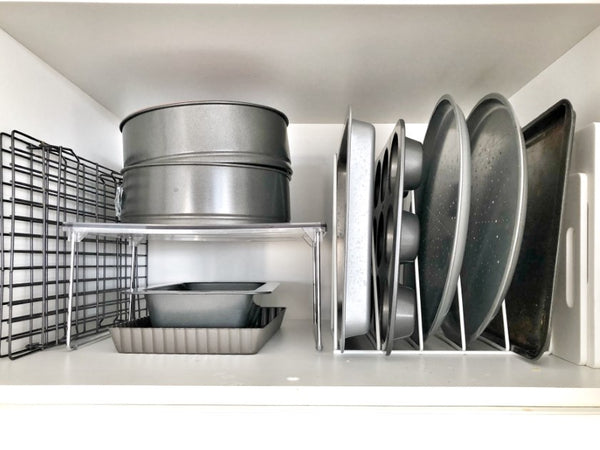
398, 169
138, 336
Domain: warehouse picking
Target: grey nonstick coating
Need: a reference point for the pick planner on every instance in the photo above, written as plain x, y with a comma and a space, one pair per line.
206, 163
396, 234
530, 299
210, 131
496, 217
413, 164
203, 304
201, 194
442, 204
405, 311
140, 336
354, 205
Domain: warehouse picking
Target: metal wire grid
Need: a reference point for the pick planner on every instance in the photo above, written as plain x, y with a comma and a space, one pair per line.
43, 186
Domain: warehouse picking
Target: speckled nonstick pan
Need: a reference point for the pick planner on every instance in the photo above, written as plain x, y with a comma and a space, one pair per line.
496, 217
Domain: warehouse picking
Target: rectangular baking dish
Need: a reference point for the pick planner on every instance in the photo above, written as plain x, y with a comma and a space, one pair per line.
203, 304
139, 336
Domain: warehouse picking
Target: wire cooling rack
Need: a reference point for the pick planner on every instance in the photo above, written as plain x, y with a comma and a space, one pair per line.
42, 187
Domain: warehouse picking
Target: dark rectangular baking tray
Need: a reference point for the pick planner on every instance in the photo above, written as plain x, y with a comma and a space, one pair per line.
548, 140
138, 336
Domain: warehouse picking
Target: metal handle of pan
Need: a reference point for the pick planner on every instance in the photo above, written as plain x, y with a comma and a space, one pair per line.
118, 200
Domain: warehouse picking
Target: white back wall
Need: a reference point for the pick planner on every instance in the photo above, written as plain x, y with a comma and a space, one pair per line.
39, 101
574, 76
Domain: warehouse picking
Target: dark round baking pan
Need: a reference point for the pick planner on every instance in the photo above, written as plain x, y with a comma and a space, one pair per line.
442, 204
496, 216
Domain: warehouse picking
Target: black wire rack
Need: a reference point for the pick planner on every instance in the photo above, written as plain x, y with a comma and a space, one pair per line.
42, 187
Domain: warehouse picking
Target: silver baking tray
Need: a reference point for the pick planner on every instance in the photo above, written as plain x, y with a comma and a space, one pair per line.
139, 336
353, 209
203, 304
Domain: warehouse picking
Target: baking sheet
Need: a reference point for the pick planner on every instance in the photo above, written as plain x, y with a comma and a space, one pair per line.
548, 139
354, 205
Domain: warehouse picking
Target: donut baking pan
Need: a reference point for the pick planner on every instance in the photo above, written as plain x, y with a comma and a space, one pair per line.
496, 216
398, 169
139, 336
442, 205
354, 205
548, 140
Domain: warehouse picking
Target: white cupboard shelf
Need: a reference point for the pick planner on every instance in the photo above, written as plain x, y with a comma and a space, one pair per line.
388, 60
288, 371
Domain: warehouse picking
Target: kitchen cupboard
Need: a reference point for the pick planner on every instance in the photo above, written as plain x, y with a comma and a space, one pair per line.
71, 71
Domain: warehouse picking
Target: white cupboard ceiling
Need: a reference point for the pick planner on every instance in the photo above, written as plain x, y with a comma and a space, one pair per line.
309, 61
